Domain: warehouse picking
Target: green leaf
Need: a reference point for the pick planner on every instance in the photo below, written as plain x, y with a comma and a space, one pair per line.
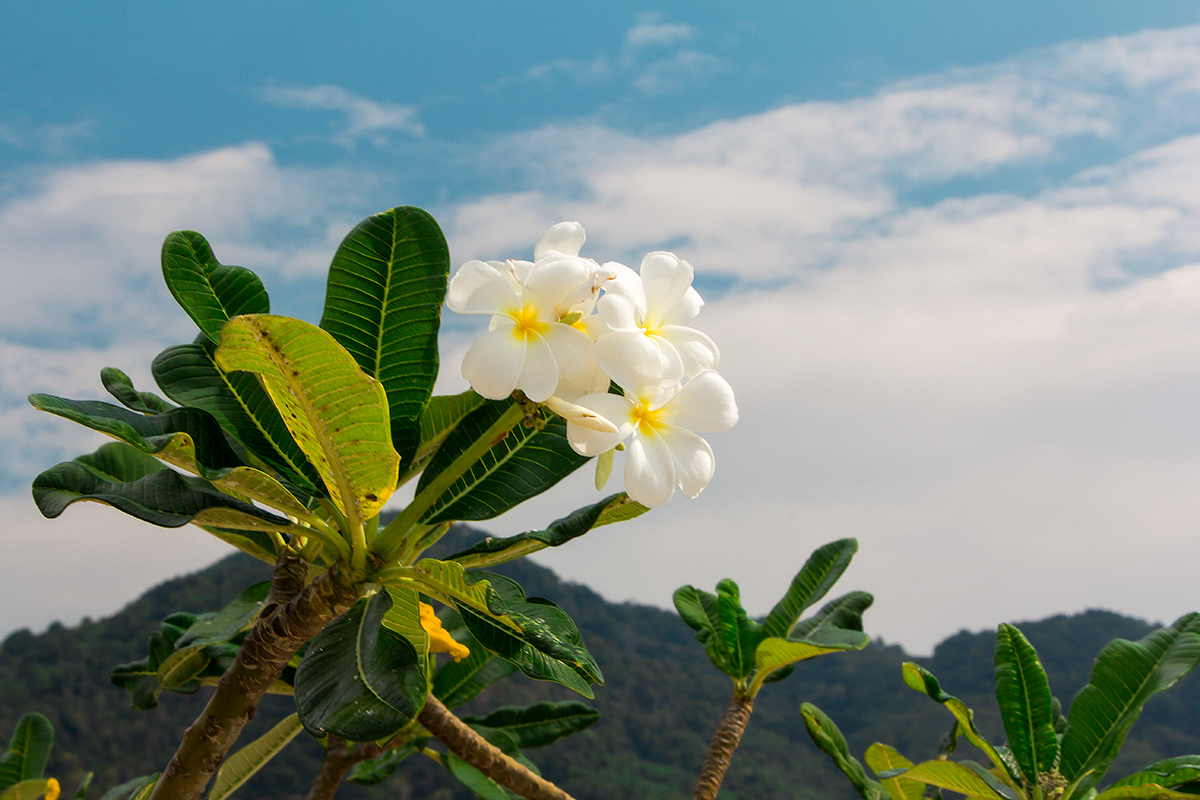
445, 580
84, 783
698, 609
815, 579
28, 750
239, 767
186, 437
1147, 791
921, 679
739, 635
120, 386
383, 304
1169, 773
135, 789
493, 551
1026, 707
541, 724
337, 414
1125, 675
26, 790
438, 421
404, 618
545, 645
189, 375
962, 778
844, 612
881, 758
375, 771
210, 292
480, 785
830, 741
358, 679
773, 653
163, 498
524, 463
459, 681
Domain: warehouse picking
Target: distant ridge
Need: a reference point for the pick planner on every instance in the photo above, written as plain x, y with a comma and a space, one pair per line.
659, 706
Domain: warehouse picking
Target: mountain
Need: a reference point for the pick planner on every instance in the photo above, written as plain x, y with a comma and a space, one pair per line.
659, 706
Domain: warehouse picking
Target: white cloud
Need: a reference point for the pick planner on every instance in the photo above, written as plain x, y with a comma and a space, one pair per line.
54, 139
651, 30
363, 119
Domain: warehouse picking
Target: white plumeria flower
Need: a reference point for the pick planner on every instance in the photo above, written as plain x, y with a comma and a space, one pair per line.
659, 419
651, 311
528, 345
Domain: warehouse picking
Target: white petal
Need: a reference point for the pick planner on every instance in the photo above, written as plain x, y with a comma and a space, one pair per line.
692, 456
619, 312
636, 363
572, 351
612, 407
685, 310
494, 362
539, 374
565, 237
665, 279
705, 403
697, 351
649, 470
552, 280
579, 415
477, 288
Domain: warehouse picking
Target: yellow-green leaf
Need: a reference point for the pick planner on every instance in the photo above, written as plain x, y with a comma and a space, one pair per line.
336, 413
240, 766
953, 776
881, 758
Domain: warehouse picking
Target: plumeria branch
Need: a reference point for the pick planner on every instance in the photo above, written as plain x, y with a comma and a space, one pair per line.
724, 742
484, 756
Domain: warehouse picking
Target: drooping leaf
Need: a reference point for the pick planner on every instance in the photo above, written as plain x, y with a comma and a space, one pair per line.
882, 758
844, 612
546, 645
541, 724
774, 653
383, 303
922, 680
1125, 675
28, 750
210, 292
1168, 773
120, 386
186, 437
962, 777
698, 609
440, 418
336, 413
1146, 791
163, 498
456, 682
524, 463
1023, 693
241, 766
189, 375
830, 741
493, 551
358, 679
815, 579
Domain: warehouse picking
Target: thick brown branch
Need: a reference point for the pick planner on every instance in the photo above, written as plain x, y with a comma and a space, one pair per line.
483, 756
724, 743
294, 613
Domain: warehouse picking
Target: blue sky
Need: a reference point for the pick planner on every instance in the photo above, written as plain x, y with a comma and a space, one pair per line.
948, 252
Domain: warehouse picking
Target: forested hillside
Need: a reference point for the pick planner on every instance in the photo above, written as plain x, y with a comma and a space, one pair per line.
659, 706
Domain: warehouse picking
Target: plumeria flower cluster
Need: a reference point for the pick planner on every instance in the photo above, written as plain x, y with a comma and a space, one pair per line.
563, 327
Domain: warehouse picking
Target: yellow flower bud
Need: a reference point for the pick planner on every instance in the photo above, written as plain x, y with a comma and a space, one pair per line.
439, 640
52, 789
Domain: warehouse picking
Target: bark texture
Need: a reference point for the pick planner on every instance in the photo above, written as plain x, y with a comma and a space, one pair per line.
483, 756
293, 614
724, 743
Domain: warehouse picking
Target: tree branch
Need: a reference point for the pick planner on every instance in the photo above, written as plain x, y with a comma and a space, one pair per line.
724, 743
483, 756
339, 759
293, 614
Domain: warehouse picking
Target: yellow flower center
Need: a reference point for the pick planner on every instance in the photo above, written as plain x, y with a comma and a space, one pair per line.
647, 420
439, 640
527, 323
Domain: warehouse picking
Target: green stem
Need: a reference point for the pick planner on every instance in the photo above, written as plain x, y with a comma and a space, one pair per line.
391, 539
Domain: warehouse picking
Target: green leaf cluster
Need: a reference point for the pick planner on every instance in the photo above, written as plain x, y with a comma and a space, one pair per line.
1047, 756
754, 653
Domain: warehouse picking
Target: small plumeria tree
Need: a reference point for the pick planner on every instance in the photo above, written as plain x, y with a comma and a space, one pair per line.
286, 440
